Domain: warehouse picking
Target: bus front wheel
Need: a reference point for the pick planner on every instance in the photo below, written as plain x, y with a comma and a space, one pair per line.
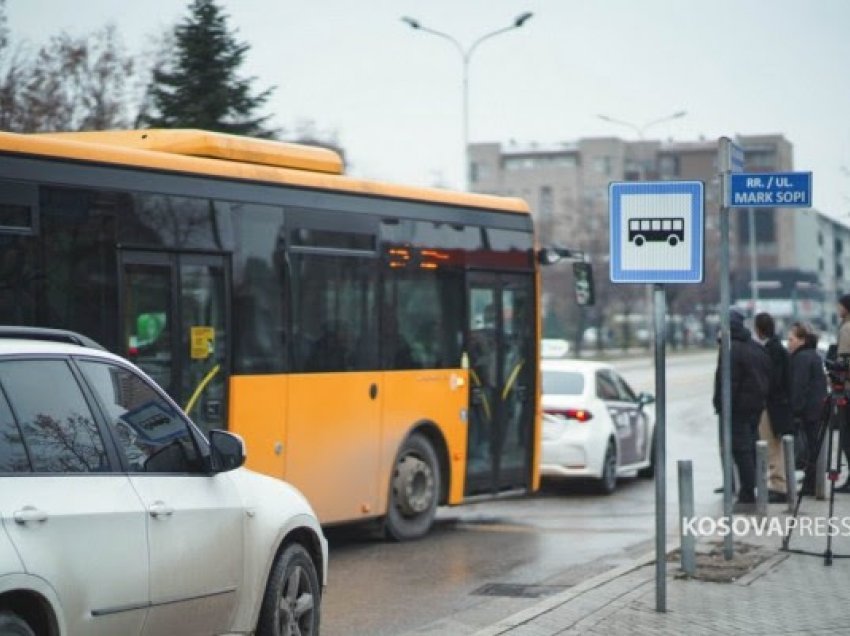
639, 240
414, 489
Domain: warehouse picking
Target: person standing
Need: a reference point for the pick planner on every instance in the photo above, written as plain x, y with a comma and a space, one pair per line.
776, 418
844, 350
750, 379
808, 392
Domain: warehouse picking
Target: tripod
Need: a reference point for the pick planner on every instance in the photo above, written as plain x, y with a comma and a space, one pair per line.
837, 397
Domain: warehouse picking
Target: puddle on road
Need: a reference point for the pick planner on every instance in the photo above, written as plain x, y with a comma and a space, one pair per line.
517, 590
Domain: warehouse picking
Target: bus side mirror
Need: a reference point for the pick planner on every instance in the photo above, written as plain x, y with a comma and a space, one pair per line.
583, 275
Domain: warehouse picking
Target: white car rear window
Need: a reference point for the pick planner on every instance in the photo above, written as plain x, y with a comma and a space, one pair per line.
563, 383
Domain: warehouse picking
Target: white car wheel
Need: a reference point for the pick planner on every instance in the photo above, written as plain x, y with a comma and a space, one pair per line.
293, 596
608, 481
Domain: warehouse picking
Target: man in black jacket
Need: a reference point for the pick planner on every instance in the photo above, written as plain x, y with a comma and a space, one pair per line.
808, 392
776, 419
750, 379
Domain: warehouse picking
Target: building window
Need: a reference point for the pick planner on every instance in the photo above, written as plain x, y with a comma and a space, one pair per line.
839, 270
519, 163
760, 159
564, 161
478, 171
668, 166
820, 238
820, 264
839, 246
602, 165
765, 227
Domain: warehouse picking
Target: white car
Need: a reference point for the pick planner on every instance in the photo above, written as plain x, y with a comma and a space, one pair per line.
594, 426
117, 516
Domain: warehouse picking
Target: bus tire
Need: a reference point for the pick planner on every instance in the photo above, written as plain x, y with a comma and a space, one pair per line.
639, 240
414, 490
673, 241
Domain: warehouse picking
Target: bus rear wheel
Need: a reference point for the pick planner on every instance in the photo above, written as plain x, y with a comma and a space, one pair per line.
673, 241
414, 489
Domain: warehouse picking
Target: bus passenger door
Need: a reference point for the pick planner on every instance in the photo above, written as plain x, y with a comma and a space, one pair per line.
502, 365
175, 327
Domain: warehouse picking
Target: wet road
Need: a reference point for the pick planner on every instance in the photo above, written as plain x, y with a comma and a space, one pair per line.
535, 545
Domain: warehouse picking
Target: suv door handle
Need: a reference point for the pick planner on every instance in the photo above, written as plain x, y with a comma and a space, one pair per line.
160, 509
29, 514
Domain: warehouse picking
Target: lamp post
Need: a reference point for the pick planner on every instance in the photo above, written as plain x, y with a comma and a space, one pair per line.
466, 56
640, 130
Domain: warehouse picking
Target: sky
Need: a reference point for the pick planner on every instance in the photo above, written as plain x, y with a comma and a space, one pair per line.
393, 95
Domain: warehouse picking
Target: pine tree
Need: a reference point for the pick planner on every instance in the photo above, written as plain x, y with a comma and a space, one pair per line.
198, 87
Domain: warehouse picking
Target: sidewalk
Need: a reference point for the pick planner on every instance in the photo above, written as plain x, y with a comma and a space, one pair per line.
786, 593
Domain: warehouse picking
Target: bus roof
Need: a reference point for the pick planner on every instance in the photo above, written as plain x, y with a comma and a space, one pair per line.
201, 152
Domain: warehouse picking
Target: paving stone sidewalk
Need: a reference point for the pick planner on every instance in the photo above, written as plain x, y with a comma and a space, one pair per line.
786, 594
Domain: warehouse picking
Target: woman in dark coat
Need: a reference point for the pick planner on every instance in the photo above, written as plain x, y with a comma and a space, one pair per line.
808, 392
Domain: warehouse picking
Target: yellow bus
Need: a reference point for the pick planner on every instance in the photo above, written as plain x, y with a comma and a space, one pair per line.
375, 345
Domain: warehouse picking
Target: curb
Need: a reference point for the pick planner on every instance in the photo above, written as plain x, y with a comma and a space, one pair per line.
529, 614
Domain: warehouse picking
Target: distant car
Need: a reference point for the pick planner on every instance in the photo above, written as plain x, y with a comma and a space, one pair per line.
118, 516
554, 348
595, 426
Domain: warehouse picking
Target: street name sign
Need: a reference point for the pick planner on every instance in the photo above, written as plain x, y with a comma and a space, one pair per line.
770, 190
657, 231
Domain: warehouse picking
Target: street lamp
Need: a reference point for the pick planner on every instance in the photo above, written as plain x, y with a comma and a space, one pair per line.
640, 130
466, 55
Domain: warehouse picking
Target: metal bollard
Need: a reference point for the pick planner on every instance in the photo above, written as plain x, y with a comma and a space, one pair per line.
820, 470
687, 542
761, 477
790, 470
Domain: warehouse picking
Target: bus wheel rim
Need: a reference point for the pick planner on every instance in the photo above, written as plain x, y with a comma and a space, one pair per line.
413, 486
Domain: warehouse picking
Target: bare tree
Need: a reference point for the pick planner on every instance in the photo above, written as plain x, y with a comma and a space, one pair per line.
70, 83
4, 27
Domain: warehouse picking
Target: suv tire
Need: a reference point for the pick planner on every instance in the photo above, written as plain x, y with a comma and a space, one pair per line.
13, 625
293, 595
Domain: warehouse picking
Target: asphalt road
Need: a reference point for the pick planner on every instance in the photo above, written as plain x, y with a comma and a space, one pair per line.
488, 560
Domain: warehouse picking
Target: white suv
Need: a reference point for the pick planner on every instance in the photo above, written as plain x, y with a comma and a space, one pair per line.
119, 517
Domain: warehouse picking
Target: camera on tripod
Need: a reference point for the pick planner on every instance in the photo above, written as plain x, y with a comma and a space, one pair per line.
837, 366
838, 370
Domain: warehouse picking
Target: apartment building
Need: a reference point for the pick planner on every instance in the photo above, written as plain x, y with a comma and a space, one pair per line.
567, 187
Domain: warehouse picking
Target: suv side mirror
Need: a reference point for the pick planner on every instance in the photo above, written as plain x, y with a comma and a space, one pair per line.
644, 399
227, 451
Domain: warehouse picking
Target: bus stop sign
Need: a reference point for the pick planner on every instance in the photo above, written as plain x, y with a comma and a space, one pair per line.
657, 231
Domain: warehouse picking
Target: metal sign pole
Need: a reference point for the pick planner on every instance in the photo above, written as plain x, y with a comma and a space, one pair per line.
660, 302
657, 235
725, 348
